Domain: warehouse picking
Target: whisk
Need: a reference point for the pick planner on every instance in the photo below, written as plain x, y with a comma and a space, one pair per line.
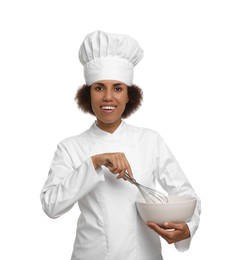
149, 195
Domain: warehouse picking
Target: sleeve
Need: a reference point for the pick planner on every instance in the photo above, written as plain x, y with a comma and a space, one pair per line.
173, 180
65, 184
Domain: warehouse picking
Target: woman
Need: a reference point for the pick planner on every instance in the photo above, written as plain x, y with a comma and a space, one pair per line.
89, 168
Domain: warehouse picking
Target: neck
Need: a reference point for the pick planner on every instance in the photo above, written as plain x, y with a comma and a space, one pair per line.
108, 127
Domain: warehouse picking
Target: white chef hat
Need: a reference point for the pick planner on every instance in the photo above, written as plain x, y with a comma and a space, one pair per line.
107, 56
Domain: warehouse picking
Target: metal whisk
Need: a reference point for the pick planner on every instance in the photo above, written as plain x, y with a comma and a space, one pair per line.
149, 195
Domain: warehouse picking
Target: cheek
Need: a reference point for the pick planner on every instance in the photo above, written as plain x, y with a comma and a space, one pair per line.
126, 99
93, 98
93, 101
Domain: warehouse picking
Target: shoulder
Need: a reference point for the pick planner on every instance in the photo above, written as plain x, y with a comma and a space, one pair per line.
144, 132
74, 140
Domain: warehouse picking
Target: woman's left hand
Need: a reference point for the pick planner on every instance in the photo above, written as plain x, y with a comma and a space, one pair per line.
171, 232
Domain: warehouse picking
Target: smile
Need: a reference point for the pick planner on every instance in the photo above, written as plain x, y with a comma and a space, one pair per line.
108, 108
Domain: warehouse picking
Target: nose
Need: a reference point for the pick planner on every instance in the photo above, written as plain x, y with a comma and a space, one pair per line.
107, 95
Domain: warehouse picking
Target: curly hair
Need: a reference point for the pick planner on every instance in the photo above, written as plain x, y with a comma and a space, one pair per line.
135, 95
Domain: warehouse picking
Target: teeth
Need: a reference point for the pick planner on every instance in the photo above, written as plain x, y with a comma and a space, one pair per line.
108, 108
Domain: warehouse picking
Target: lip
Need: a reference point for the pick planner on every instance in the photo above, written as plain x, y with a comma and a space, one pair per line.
108, 108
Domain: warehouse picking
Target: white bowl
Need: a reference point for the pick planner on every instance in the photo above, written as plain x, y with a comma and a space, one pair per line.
178, 209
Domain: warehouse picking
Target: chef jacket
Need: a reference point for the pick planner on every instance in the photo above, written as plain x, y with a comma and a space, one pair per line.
109, 226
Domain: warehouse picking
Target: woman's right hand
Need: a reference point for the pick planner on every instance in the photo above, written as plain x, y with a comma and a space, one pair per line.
117, 163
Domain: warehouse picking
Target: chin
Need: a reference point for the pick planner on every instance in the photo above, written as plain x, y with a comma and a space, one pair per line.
109, 121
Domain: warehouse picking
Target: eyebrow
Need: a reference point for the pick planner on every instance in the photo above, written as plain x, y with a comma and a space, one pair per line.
118, 84
100, 84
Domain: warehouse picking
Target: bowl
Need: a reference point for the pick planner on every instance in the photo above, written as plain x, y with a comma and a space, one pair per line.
178, 209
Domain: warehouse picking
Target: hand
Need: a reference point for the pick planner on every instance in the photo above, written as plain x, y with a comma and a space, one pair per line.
117, 163
171, 232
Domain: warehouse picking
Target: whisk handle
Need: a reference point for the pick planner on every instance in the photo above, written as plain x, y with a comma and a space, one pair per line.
127, 177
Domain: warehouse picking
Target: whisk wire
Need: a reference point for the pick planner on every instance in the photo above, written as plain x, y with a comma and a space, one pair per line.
149, 195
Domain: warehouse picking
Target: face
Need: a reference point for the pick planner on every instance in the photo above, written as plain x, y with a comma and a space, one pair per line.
108, 101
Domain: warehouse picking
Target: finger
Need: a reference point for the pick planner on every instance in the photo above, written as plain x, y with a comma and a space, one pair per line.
114, 170
122, 165
166, 227
111, 164
128, 167
120, 168
118, 163
172, 225
165, 233
156, 228
108, 163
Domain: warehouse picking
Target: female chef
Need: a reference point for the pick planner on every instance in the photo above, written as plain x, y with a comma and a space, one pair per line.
88, 169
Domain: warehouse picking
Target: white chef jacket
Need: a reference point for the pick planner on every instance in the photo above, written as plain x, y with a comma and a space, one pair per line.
109, 226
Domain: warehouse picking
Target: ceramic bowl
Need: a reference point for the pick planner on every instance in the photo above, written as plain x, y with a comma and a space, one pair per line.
178, 209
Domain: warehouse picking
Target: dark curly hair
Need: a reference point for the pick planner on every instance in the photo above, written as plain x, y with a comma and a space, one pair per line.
135, 95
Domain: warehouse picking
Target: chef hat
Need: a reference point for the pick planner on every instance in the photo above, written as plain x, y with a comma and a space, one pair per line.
107, 56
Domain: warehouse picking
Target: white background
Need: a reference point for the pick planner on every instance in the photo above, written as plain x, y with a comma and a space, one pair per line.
191, 75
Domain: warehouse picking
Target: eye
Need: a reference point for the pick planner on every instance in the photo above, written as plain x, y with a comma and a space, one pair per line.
99, 88
118, 89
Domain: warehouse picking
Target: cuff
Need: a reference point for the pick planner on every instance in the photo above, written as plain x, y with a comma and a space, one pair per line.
183, 245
